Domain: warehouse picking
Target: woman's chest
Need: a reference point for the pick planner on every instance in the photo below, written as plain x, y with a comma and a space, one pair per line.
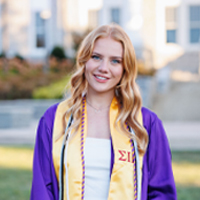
98, 126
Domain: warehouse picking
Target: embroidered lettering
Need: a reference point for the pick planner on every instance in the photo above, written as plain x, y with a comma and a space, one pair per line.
123, 155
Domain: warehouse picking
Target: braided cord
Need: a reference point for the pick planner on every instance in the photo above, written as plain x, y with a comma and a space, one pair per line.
82, 150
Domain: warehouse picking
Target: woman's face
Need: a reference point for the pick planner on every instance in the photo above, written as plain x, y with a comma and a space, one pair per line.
104, 69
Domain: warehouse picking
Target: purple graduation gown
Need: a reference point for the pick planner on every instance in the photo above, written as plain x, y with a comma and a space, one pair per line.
157, 179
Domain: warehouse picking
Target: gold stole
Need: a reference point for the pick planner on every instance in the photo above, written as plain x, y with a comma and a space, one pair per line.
121, 183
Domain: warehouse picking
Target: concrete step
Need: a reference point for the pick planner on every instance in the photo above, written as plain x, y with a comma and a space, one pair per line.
180, 103
187, 62
20, 113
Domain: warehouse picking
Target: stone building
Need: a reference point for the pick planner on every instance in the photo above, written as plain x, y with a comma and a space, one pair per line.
163, 32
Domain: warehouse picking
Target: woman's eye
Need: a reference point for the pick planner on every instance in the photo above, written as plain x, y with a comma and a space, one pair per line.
95, 57
116, 61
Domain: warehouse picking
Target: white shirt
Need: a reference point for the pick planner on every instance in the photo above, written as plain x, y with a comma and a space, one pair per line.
97, 168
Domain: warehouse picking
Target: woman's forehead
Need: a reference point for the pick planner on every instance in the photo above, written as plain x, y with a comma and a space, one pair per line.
108, 46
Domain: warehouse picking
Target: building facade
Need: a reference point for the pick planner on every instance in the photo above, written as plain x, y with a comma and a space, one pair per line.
163, 32
30, 28
171, 29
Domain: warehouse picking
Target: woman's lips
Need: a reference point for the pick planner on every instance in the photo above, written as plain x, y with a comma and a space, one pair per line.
101, 78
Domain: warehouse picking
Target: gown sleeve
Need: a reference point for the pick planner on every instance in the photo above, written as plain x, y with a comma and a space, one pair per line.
161, 185
43, 182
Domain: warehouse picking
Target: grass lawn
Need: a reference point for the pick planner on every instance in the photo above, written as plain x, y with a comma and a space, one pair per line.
186, 168
16, 175
15, 184
15, 172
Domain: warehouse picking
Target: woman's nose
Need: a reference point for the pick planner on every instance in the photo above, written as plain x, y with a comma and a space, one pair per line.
104, 66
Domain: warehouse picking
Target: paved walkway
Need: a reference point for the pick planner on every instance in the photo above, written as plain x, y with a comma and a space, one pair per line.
181, 135
21, 136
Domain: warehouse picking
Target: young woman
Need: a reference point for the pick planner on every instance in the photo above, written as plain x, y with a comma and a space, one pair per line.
100, 143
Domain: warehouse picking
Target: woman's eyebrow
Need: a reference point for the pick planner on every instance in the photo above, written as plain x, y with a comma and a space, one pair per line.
116, 57
96, 53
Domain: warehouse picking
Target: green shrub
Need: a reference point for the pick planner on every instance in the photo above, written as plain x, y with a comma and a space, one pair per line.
2, 55
21, 78
55, 90
18, 56
58, 52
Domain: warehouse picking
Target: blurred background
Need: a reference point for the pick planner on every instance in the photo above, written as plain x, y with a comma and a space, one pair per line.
38, 44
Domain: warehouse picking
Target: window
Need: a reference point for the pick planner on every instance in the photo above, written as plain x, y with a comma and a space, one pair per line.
195, 24
171, 25
171, 36
40, 30
115, 15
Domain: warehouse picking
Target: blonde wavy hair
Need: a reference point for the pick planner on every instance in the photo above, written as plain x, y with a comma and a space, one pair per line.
127, 92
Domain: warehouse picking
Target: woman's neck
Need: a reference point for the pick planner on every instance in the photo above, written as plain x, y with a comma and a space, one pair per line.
99, 101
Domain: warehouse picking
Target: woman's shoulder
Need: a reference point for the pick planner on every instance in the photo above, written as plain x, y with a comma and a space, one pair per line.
155, 129
150, 118
51, 112
148, 114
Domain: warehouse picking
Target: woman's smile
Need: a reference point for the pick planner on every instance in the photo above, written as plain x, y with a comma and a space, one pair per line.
101, 78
